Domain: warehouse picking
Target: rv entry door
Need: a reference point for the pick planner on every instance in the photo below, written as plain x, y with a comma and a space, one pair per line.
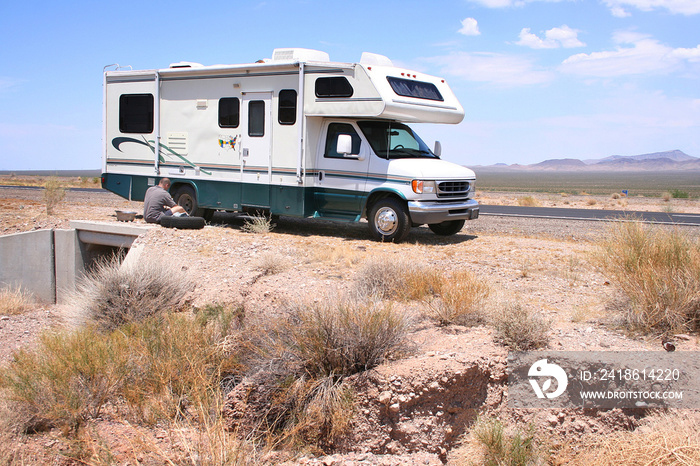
342, 177
256, 149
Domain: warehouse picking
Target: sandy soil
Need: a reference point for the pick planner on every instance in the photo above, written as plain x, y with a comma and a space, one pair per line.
545, 265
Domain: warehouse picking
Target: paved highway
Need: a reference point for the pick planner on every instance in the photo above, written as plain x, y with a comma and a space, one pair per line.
589, 214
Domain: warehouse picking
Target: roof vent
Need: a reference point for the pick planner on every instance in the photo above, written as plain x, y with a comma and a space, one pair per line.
374, 59
299, 55
186, 64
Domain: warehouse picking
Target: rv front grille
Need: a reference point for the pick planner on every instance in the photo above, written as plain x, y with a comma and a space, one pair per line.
453, 189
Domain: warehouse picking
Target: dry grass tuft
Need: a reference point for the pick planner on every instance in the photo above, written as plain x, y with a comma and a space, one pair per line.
591, 201
258, 224
271, 263
664, 439
113, 295
460, 301
54, 193
519, 329
528, 201
14, 301
337, 254
391, 278
165, 368
658, 270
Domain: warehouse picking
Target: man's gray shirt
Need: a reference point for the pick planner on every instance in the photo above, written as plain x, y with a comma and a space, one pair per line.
154, 203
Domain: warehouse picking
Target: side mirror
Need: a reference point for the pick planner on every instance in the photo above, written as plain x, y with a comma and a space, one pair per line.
344, 145
438, 149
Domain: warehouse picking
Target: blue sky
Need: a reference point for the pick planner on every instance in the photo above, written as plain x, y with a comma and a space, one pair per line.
538, 79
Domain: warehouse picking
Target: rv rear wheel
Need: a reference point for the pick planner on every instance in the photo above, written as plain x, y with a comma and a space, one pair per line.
389, 220
186, 197
447, 228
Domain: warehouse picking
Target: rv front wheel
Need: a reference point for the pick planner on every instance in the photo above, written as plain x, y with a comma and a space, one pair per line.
186, 197
447, 228
389, 220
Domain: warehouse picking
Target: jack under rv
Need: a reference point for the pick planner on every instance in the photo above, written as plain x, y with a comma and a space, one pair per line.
295, 135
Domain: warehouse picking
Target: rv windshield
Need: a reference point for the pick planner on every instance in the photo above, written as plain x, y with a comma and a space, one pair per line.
391, 140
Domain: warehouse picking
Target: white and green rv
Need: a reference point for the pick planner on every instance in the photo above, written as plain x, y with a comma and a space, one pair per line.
294, 135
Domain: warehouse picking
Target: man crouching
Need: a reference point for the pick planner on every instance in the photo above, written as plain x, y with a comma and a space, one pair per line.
158, 202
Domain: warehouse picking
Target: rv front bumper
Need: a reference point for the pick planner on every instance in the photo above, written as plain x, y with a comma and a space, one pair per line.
438, 212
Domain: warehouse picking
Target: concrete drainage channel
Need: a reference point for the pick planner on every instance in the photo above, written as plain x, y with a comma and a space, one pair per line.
47, 263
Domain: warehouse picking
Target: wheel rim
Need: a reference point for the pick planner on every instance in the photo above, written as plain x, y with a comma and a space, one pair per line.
186, 202
386, 221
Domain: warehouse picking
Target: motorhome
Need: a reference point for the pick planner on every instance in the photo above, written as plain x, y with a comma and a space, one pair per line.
294, 135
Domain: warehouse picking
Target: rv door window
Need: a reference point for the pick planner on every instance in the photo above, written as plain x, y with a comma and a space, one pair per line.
337, 86
136, 113
287, 110
256, 118
335, 129
229, 112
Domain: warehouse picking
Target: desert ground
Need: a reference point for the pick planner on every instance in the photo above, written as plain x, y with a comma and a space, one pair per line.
407, 410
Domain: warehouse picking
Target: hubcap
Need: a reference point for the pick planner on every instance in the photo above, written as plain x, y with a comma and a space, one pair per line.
386, 221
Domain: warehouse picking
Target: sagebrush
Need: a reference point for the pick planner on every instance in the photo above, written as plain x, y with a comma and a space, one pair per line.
518, 328
54, 193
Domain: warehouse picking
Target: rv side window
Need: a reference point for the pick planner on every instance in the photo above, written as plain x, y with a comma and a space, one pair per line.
136, 113
337, 86
287, 112
229, 112
417, 89
335, 129
256, 118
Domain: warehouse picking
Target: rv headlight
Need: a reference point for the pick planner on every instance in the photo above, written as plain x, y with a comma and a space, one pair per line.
422, 186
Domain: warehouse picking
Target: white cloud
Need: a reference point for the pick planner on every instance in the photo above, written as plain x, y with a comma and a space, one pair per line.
494, 68
692, 55
469, 27
554, 38
683, 7
635, 54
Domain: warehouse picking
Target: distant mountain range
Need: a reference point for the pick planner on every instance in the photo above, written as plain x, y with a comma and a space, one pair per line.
669, 160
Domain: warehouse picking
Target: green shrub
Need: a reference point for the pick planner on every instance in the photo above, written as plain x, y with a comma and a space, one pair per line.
492, 444
679, 194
